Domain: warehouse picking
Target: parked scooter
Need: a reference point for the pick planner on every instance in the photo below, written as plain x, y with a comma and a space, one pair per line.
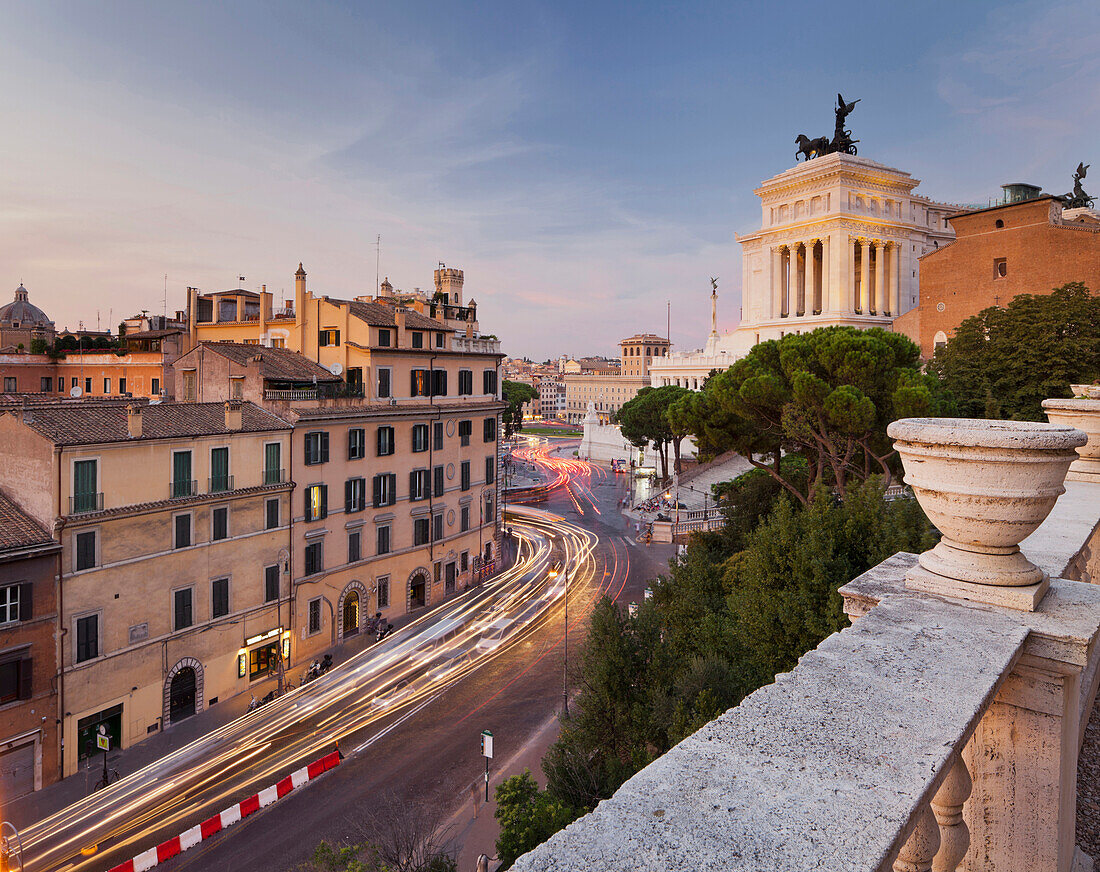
316, 669
375, 624
383, 632
264, 700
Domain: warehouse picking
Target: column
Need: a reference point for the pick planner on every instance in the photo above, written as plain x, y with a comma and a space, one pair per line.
826, 276
849, 279
785, 283
815, 268
794, 305
862, 304
776, 286
895, 279
879, 305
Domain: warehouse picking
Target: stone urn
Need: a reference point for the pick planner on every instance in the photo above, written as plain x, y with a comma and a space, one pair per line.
986, 485
1084, 415
1091, 392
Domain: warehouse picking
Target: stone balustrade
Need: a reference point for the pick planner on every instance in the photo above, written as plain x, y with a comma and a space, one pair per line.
476, 344
938, 732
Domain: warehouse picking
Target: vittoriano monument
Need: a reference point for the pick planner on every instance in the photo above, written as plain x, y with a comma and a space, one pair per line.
842, 138
1077, 198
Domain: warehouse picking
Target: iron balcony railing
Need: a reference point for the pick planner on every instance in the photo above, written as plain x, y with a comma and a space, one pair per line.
90, 502
217, 484
274, 476
180, 489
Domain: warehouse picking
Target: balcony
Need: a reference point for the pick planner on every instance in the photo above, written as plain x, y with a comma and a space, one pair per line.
475, 345
940, 731
178, 490
313, 394
274, 476
219, 484
91, 502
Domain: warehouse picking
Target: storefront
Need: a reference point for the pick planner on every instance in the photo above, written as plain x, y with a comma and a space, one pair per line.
259, 656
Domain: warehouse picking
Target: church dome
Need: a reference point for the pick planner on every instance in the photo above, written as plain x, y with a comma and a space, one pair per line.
23, 313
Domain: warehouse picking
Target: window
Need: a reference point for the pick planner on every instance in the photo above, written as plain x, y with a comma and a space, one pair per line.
385, 489
439, 382
465, 428
999, 224
15, 603
465, 519
420, 437
437, 436
384, 380
219, 470
155, 390
85, 550
490, 469
271, 512
15, 678
88, 385
421, 531
10, 385
181, 527
383, 591
45, 384
316, 502
122, 385
438, 340
220, 526
182, 483
437, 481
420, 383
315, 561
489, 382
417, 339
940, 339
87, 638
273, 457
76, 381
382, 535
465, 475
1000, 268
419, 483
465, 382
385, 441
489, 429
385, 338
357, 444
355, 495
437, 571
271, 579
314, 616
489, 515
182, 612
106, 385
219, 597
85, 485
316, 447
353, 546
437, 527
330, 336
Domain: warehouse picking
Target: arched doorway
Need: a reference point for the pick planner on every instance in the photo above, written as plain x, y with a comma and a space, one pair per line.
419, 588
183, 691
181, 695
351, 613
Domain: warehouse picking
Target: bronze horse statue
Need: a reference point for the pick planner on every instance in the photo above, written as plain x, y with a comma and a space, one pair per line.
810, 148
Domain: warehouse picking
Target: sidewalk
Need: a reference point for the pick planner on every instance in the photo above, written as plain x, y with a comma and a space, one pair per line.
475, 830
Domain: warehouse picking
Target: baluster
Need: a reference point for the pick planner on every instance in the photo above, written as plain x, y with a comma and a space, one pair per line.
947, 805
917, 852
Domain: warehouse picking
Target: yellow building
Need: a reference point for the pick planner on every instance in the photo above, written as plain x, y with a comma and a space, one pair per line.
174, 521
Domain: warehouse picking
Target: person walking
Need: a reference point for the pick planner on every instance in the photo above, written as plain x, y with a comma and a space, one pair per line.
483, 863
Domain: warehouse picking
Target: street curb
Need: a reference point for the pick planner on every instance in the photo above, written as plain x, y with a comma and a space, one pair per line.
217, 823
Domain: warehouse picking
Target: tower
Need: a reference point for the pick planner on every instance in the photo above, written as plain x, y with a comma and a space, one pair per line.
449, 282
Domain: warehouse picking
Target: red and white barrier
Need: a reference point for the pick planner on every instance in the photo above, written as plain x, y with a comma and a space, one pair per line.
217, 823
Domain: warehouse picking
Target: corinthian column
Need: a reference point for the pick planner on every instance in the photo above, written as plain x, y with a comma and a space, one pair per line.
851, 302
776, 289
895, 279
785, 283
826, 276
880, 304
864, 277
799, 265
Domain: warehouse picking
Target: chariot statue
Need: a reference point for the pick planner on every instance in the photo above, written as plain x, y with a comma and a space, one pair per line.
842, 137
1078, 198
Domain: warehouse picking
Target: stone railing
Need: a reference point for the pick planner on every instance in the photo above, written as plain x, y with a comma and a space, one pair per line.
477, 344
303, 394
939, 732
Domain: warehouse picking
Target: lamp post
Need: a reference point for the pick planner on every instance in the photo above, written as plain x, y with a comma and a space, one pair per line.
565, 646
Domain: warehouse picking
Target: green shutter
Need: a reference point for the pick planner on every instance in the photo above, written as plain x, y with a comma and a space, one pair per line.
272, 460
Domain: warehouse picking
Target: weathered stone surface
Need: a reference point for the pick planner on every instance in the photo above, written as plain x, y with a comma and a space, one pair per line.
821, 770
1071, 526
1084, 414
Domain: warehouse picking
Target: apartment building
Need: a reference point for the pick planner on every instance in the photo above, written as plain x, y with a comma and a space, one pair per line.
174, 527
29, 738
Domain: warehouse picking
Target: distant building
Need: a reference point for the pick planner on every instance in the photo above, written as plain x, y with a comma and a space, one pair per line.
1028, 244
552, 401
639, 351
22, 322
29, 738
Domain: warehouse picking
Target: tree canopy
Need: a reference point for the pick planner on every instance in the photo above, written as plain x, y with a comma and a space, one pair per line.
644, 420
1003, 362
515, 395
826, 396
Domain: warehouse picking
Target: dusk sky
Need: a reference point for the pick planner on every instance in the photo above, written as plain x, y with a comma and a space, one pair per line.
582, 162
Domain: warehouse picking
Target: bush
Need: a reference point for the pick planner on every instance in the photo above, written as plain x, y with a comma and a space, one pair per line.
528, 816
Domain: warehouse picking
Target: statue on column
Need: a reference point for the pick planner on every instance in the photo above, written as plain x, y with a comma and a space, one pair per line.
842, 137
1077, 198
714, 307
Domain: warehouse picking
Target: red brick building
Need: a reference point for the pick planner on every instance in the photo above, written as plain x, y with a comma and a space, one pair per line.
1026, 247
29, 752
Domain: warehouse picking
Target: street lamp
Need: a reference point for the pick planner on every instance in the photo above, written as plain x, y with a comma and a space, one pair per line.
553, 573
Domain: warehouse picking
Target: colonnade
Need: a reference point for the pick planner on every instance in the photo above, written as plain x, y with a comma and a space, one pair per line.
807, 280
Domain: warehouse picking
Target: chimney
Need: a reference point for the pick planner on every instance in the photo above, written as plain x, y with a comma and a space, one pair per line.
300, 296
233, 415
133, 420
469, 330
399, 321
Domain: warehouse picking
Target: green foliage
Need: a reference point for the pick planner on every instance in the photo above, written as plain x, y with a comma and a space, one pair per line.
515, 395
335, 858
826, 396
38, 346
121, 329
1003, 362
648, 419
528, 816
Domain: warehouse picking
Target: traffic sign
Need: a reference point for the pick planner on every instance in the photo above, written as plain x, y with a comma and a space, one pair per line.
102, 740
486, 744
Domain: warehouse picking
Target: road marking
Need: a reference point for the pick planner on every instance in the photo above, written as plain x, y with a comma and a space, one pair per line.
394, 725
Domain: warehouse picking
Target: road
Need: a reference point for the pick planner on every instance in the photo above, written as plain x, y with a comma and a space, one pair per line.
407, 719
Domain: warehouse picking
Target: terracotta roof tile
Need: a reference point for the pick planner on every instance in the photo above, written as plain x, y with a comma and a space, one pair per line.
18, 529
381, 315
277, 364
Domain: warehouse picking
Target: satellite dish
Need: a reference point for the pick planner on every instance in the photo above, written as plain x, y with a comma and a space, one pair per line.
336, 368
75, 392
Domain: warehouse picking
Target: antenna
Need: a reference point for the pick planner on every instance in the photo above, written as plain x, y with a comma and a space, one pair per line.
377, 261
165, 298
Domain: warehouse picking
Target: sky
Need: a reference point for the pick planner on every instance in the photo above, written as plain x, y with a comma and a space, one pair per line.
585, 164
